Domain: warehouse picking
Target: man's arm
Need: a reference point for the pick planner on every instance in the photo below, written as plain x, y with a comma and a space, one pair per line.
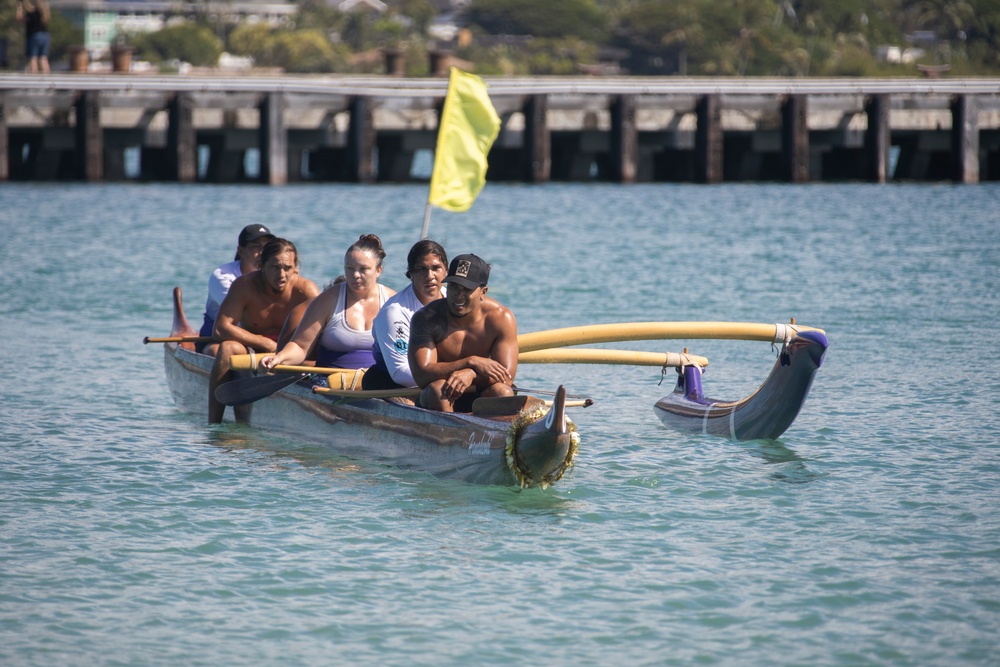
505, 349
227, 324
422, 351
308, 332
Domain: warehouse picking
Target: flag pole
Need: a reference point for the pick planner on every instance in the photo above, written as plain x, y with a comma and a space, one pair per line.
467, 127
427, 221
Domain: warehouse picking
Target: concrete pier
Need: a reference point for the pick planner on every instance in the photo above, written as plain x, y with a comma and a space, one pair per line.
619, 129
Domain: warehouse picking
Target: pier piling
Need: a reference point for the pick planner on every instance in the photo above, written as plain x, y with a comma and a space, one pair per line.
964, 139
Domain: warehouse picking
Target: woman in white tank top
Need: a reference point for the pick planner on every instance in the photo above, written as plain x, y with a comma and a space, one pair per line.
340, 319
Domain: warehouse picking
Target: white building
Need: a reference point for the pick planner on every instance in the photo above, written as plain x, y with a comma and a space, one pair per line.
102, 21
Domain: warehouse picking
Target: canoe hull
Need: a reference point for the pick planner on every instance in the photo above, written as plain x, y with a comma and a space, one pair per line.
765, 414
459, 446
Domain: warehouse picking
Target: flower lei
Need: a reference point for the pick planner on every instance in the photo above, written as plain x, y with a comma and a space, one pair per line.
529, 417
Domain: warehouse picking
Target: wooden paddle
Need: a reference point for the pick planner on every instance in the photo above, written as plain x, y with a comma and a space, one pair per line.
251, 362
359, 394
253, 388
178, 339
414, 392
607, 333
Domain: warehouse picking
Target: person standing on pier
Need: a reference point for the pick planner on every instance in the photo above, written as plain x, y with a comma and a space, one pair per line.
465, 345
35, 15
252, 314
248, 246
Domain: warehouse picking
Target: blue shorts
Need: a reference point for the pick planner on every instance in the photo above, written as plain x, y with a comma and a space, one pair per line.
37, 45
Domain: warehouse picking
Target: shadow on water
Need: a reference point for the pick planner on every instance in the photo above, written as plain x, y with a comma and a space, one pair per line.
429, 493
240, 438
791, 468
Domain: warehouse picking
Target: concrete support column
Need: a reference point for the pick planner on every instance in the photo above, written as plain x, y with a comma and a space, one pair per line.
624, 139
361, 140
708, 139
965, 139
89, 137
273, 140
877, 141
795, 138
4, 140
182, 149
537, 142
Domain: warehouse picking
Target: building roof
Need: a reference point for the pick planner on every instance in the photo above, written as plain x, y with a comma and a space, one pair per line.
352, 5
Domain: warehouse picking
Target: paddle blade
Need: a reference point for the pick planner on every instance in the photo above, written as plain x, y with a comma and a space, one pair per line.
249, 389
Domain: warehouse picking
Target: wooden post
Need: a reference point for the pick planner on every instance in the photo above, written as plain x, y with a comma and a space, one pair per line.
624, 139
361, 140
877, 138
4, 140
708, 139
795, 138
439, 61
182, 149
537, 142
89, 149
965, 139
273, 140
395, 61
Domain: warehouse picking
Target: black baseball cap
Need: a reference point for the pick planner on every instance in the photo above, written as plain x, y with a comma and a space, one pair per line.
469, 271
252, 233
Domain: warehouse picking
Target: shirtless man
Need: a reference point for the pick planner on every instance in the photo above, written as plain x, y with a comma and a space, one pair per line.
252, 240
253, 312
465, 345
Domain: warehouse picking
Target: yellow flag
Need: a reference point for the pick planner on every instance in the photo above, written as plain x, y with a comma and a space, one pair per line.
469, 125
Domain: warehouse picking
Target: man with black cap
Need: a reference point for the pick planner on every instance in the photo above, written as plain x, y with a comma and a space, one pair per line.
252, 239
465, 345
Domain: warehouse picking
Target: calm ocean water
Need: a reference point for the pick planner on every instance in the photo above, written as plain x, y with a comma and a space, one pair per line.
869, 534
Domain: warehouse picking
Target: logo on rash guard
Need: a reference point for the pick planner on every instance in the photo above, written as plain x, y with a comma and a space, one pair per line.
402, 336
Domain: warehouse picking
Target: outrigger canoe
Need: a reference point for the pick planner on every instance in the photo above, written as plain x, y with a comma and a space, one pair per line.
531, 445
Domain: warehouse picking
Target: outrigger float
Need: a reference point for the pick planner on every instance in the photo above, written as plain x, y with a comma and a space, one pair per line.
765, 414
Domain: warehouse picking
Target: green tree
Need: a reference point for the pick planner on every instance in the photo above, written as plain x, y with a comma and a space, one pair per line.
658, 36
253, 40
983, 37
305, 51
553, 18
419, 14
948, 18
188, 42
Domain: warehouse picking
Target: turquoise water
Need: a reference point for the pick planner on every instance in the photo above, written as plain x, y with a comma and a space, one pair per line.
869, 534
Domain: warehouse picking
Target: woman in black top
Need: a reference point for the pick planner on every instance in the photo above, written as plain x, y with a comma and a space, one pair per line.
35, 14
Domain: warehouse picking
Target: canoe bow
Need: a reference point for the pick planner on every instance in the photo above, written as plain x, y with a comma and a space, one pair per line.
541, 450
